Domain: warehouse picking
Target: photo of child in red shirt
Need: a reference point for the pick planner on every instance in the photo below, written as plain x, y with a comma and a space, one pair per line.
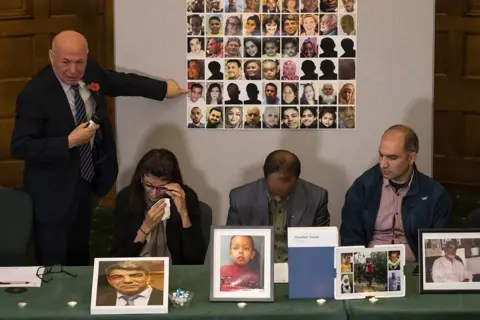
243, 273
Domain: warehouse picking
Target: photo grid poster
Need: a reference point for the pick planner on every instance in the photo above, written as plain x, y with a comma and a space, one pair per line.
271, 64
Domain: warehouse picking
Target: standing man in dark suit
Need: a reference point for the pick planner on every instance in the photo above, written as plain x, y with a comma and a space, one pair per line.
67, 161
280, 199
131, 283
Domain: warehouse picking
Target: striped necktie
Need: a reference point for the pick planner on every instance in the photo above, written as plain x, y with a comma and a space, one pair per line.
130, 300
86, 161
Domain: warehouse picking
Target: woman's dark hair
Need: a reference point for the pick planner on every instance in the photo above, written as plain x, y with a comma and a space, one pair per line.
255, 19
160, 163
271, 19
294, 89
209, 92
331, 110
313, 110
257, 44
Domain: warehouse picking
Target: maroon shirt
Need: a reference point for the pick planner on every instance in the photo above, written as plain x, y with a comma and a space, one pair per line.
233, 278
389, 224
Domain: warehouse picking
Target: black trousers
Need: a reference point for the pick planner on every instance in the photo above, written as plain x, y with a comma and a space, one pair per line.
68, 241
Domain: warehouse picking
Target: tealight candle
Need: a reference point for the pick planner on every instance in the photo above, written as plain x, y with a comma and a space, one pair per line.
72, 304
22, 304
321, 301
241, 305
373, 300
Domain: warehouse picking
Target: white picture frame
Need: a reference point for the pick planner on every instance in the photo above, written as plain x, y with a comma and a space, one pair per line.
143, 279
257, 280
433, 261
373, 272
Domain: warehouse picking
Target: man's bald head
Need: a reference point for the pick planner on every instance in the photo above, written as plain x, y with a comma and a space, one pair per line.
68, 56
282, 162
281, 171
70, 40
397, 153
410, 138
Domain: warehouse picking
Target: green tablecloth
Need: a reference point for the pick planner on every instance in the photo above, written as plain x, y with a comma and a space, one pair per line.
416, 306
50, 301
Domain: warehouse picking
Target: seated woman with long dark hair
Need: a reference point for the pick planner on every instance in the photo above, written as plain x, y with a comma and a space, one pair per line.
138, 227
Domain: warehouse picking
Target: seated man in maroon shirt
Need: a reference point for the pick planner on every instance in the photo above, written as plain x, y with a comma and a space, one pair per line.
389, 202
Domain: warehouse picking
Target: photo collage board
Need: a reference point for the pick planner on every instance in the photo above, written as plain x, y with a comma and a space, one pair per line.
370, 272
271, 64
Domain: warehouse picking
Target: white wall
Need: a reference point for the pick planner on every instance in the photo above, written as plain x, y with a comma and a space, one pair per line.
395, 85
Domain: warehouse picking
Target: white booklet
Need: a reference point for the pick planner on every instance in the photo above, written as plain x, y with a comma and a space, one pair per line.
19, 277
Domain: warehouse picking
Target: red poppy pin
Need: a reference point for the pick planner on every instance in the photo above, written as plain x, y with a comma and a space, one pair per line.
94, 86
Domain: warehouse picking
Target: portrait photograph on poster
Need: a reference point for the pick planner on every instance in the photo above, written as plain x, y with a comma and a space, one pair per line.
296, 55
370, 272
449, 260
241, 266
130, 286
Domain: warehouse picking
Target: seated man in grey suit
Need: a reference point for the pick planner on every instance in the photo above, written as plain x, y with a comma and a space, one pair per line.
130, 282
279, 199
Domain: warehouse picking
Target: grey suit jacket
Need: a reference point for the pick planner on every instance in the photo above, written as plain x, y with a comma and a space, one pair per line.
307, 207
110, 298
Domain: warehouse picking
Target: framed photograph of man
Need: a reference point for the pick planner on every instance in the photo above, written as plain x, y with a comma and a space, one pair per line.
449, 260
130, 286
241, 264
364, 272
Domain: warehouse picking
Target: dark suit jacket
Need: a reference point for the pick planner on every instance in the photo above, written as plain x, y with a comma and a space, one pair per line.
426, 205
307, 207
40, 136
186, 245
110, 299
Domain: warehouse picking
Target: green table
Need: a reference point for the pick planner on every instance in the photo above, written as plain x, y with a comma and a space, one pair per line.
417, 306
50, 301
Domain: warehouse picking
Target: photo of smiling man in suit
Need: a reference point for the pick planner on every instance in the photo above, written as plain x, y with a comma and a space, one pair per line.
130, 285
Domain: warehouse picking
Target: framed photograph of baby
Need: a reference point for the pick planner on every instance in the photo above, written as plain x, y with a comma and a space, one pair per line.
241, 264
449, 260
130, 285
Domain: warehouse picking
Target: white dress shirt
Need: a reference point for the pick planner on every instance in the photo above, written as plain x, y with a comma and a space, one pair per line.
142, 300
86, 97
84, 93
445, 271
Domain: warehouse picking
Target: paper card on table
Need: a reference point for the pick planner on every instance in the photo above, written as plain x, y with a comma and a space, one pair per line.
19, 277
280, 272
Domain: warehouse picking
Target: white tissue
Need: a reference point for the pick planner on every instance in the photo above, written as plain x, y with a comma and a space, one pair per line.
166, 214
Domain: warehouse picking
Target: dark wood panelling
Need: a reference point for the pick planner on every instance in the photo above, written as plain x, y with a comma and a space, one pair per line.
457, 105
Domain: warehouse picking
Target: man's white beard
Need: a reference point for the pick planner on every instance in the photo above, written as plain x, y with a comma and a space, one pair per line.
327, 99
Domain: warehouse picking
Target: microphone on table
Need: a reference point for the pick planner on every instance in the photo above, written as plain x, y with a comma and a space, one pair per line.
97, 117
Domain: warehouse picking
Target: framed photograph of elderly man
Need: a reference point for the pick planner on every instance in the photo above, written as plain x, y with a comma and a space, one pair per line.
449, 260
130, 286
242, 264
